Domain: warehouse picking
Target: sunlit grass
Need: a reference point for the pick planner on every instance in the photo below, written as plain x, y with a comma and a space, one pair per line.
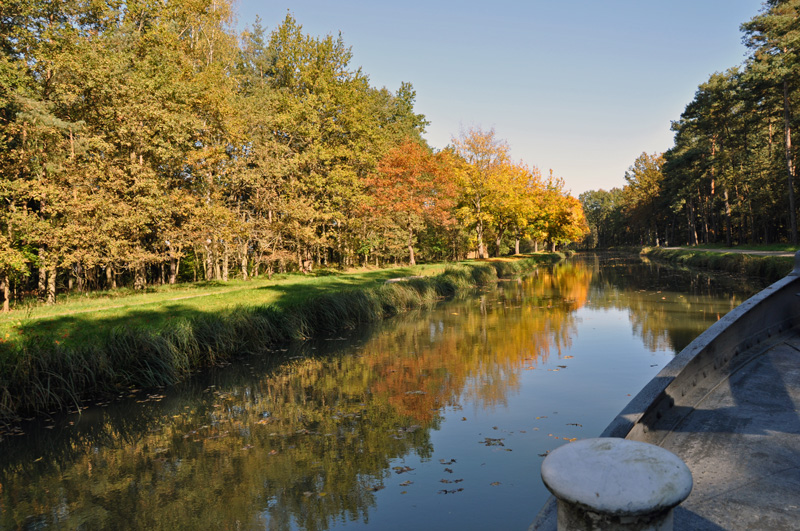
158, 305
768, 268
781, 247
104, 344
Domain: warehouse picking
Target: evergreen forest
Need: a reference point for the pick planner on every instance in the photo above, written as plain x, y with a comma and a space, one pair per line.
730, 176
147, 142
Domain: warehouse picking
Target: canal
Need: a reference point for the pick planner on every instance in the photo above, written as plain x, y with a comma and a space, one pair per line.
432, 420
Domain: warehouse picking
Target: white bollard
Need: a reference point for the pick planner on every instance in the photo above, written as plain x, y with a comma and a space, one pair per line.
615, 484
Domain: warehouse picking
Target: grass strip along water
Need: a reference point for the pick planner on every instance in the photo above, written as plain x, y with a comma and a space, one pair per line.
769, 268
44, 371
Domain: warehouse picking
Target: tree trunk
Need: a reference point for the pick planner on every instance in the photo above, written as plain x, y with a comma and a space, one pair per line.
51, 285
139, 277
42, 277
728, 228
479, 234
789, 161
173, 270
243, 262
225, 262
6, 293
209, 262
411, 259
111, 281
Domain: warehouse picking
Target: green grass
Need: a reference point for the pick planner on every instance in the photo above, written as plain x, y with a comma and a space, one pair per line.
59, 355
769, 268
783, 247
80, 318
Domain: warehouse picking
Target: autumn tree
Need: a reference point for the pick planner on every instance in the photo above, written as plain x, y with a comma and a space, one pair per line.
483, 155
414, 187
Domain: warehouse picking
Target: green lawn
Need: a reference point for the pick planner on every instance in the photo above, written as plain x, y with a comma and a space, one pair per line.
77, 318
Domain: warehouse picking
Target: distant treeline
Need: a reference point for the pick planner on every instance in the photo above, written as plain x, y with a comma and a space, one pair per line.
145, 141
730, 177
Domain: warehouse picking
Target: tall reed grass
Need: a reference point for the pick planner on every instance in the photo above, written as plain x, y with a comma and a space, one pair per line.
769, 268
39, 374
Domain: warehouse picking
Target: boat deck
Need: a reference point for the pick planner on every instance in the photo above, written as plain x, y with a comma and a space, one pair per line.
742, 444
728, 405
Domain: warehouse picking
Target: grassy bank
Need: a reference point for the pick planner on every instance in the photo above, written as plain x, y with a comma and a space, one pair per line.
53, 358
769, 268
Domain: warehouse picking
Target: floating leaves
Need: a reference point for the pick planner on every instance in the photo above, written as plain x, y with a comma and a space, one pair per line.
488, 441
402, 469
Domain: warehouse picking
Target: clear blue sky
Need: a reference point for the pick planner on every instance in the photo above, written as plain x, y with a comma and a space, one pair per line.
582, 87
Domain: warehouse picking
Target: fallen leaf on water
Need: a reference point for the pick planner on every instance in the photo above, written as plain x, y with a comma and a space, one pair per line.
568, 357
406, 483
463, 418
445, 481
448, 470
401, 469
575, 424
495, 483
450, 462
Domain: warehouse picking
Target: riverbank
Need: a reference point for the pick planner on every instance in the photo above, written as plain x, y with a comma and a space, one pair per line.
55, 361
767, 265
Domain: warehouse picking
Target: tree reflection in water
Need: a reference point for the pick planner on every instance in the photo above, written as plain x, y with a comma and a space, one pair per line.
310, 439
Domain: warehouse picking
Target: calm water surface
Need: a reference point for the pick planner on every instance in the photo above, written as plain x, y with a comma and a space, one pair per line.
435, 420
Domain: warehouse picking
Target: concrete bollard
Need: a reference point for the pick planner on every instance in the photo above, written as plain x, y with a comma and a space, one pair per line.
615, 484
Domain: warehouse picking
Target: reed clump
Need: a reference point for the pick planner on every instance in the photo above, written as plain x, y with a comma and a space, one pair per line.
769, 268
39, 374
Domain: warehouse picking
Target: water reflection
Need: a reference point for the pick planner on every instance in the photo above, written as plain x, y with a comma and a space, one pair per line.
314, 438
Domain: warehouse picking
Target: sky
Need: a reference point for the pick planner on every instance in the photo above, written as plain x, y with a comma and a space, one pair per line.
582, 87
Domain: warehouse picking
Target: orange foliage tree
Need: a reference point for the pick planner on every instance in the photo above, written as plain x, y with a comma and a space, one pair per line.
413, 188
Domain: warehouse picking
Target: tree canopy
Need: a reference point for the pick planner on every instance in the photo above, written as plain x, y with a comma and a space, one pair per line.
146, 142
730, 176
